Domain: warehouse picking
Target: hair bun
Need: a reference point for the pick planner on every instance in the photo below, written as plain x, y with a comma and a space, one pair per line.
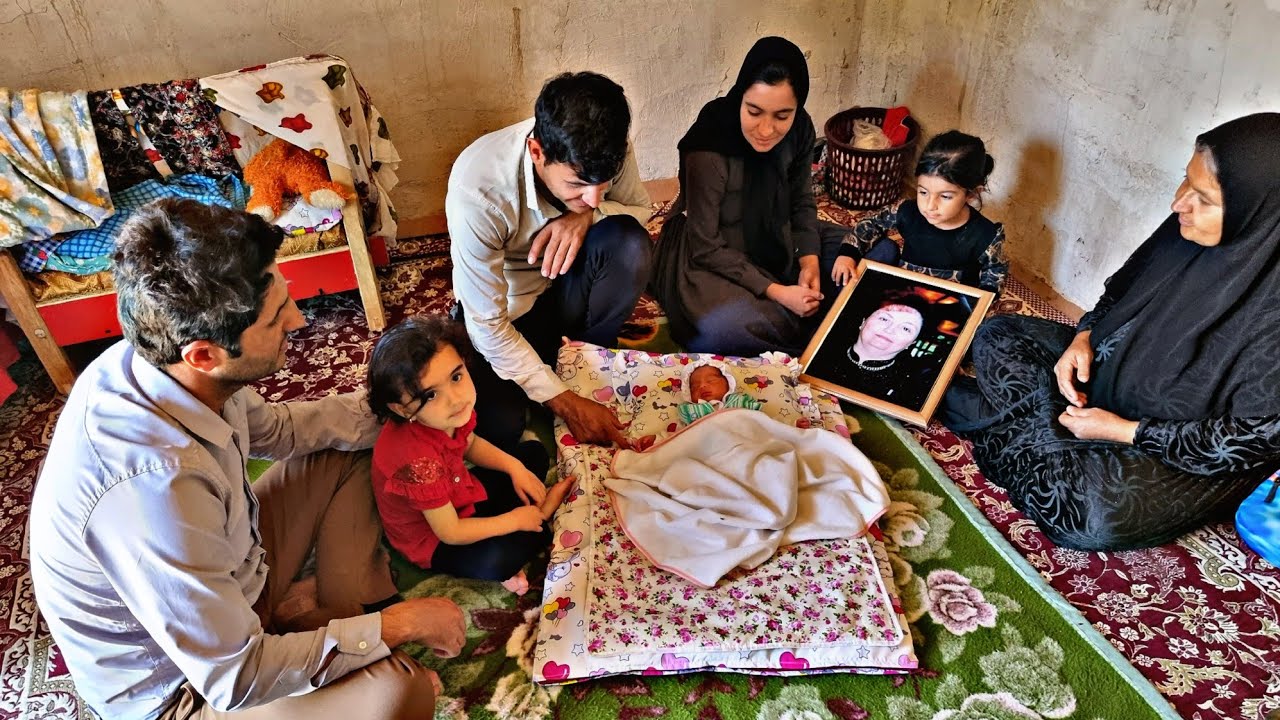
987, 166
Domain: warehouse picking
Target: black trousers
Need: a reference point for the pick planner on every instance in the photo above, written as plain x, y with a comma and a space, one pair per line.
497, 558
588, 303
747, 324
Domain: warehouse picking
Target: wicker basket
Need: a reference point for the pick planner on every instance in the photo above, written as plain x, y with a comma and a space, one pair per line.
864, 179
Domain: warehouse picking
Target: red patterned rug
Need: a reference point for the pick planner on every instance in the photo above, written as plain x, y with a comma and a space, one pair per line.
1200, 617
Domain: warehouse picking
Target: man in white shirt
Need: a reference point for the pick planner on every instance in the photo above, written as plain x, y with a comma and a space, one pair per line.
546, 237
158, 566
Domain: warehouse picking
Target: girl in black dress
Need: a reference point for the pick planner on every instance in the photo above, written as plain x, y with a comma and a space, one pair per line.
943, 233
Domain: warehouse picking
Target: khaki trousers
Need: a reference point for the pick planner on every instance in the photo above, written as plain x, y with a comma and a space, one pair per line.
325, 501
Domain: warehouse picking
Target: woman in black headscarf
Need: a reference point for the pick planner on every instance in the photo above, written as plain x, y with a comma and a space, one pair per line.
1160, 411
743, 265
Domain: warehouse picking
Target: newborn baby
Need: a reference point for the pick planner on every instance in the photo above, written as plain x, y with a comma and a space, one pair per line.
709, 387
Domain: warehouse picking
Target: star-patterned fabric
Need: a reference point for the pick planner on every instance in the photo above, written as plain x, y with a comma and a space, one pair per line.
315, 103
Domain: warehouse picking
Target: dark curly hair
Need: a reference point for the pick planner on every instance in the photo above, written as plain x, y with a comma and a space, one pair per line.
582, 120
401, 354
186, 271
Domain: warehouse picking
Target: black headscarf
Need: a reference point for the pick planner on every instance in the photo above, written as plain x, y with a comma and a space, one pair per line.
718, 129
1205, 339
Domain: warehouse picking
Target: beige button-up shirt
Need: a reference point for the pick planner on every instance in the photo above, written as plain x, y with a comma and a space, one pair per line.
494, 212
145, 550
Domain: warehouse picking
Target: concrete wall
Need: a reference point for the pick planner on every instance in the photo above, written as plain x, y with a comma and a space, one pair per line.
442, 73
1090, 107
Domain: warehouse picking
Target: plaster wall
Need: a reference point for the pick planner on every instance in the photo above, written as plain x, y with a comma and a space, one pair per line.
1089, 108
442, 73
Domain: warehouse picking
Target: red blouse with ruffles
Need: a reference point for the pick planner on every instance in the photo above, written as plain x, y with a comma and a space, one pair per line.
417, 468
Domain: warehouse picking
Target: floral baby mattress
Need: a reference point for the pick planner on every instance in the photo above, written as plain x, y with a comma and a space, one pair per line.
814, 607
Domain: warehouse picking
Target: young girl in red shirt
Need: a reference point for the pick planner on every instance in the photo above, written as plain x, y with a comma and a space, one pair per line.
485, 524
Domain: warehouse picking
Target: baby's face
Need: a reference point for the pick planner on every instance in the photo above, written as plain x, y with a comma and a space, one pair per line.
707, 383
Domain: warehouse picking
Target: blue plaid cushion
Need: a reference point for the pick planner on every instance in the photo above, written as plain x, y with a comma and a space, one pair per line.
98, 243
32, 255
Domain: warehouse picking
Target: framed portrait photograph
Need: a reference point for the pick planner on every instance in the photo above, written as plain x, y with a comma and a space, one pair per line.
893, 339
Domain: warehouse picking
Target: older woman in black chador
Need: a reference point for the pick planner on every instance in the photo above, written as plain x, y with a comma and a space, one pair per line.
743, 265
1161, 410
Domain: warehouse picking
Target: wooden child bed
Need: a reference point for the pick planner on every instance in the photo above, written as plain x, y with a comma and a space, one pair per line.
55, 309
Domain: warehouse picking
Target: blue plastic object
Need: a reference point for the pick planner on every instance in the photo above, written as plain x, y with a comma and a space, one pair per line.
1258, 520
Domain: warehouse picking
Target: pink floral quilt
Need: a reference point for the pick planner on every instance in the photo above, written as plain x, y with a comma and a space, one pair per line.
607, 611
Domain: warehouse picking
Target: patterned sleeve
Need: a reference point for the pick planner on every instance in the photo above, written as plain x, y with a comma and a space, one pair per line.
994, 264
1213, 446
424, 482
869, 230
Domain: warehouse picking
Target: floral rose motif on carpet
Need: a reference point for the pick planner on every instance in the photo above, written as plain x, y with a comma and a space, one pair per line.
956, 604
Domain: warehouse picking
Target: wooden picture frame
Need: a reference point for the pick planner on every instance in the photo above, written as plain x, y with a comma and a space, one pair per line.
905, 373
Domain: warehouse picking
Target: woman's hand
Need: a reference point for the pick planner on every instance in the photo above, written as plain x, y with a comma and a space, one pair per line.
844, 271
1098, 424
797, 298
528, 486
810, 273
1074, 364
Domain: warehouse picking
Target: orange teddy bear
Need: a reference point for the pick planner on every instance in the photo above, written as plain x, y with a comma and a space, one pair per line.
282, 168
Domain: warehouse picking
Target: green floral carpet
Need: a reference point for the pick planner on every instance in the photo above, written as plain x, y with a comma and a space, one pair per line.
994, 641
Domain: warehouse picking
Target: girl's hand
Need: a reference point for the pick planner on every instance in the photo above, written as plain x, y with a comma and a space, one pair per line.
1098, 424
526, 517
798, 299
1074, 364
844, 271
528, 486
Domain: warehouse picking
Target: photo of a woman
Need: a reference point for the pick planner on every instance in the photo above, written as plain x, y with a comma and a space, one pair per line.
891, 338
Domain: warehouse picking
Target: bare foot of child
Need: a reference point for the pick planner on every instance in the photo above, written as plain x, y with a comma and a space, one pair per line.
555, 496
518, 583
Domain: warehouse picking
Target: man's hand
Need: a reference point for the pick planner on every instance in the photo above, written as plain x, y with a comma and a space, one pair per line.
810, 273
1098, 424
588, 420
1074, 364
434, 622
797, 298
844, 270
561, 239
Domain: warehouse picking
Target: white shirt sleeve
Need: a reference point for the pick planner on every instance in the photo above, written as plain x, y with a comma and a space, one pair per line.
477, 239
283, 430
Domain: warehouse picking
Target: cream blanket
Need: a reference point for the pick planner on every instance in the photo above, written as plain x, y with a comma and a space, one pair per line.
731, 488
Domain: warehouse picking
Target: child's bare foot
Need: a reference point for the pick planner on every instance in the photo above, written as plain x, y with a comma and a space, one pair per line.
518, 583
555, 496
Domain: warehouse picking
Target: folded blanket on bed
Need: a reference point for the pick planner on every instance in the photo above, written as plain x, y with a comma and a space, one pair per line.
731, 488
51, 176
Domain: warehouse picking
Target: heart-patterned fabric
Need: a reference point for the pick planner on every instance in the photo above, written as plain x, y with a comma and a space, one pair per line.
583, 634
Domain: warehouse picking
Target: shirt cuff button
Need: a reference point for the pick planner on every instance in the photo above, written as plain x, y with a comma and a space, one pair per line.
363, 645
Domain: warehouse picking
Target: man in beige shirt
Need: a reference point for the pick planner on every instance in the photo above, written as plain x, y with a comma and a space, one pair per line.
546, 237
159, 567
